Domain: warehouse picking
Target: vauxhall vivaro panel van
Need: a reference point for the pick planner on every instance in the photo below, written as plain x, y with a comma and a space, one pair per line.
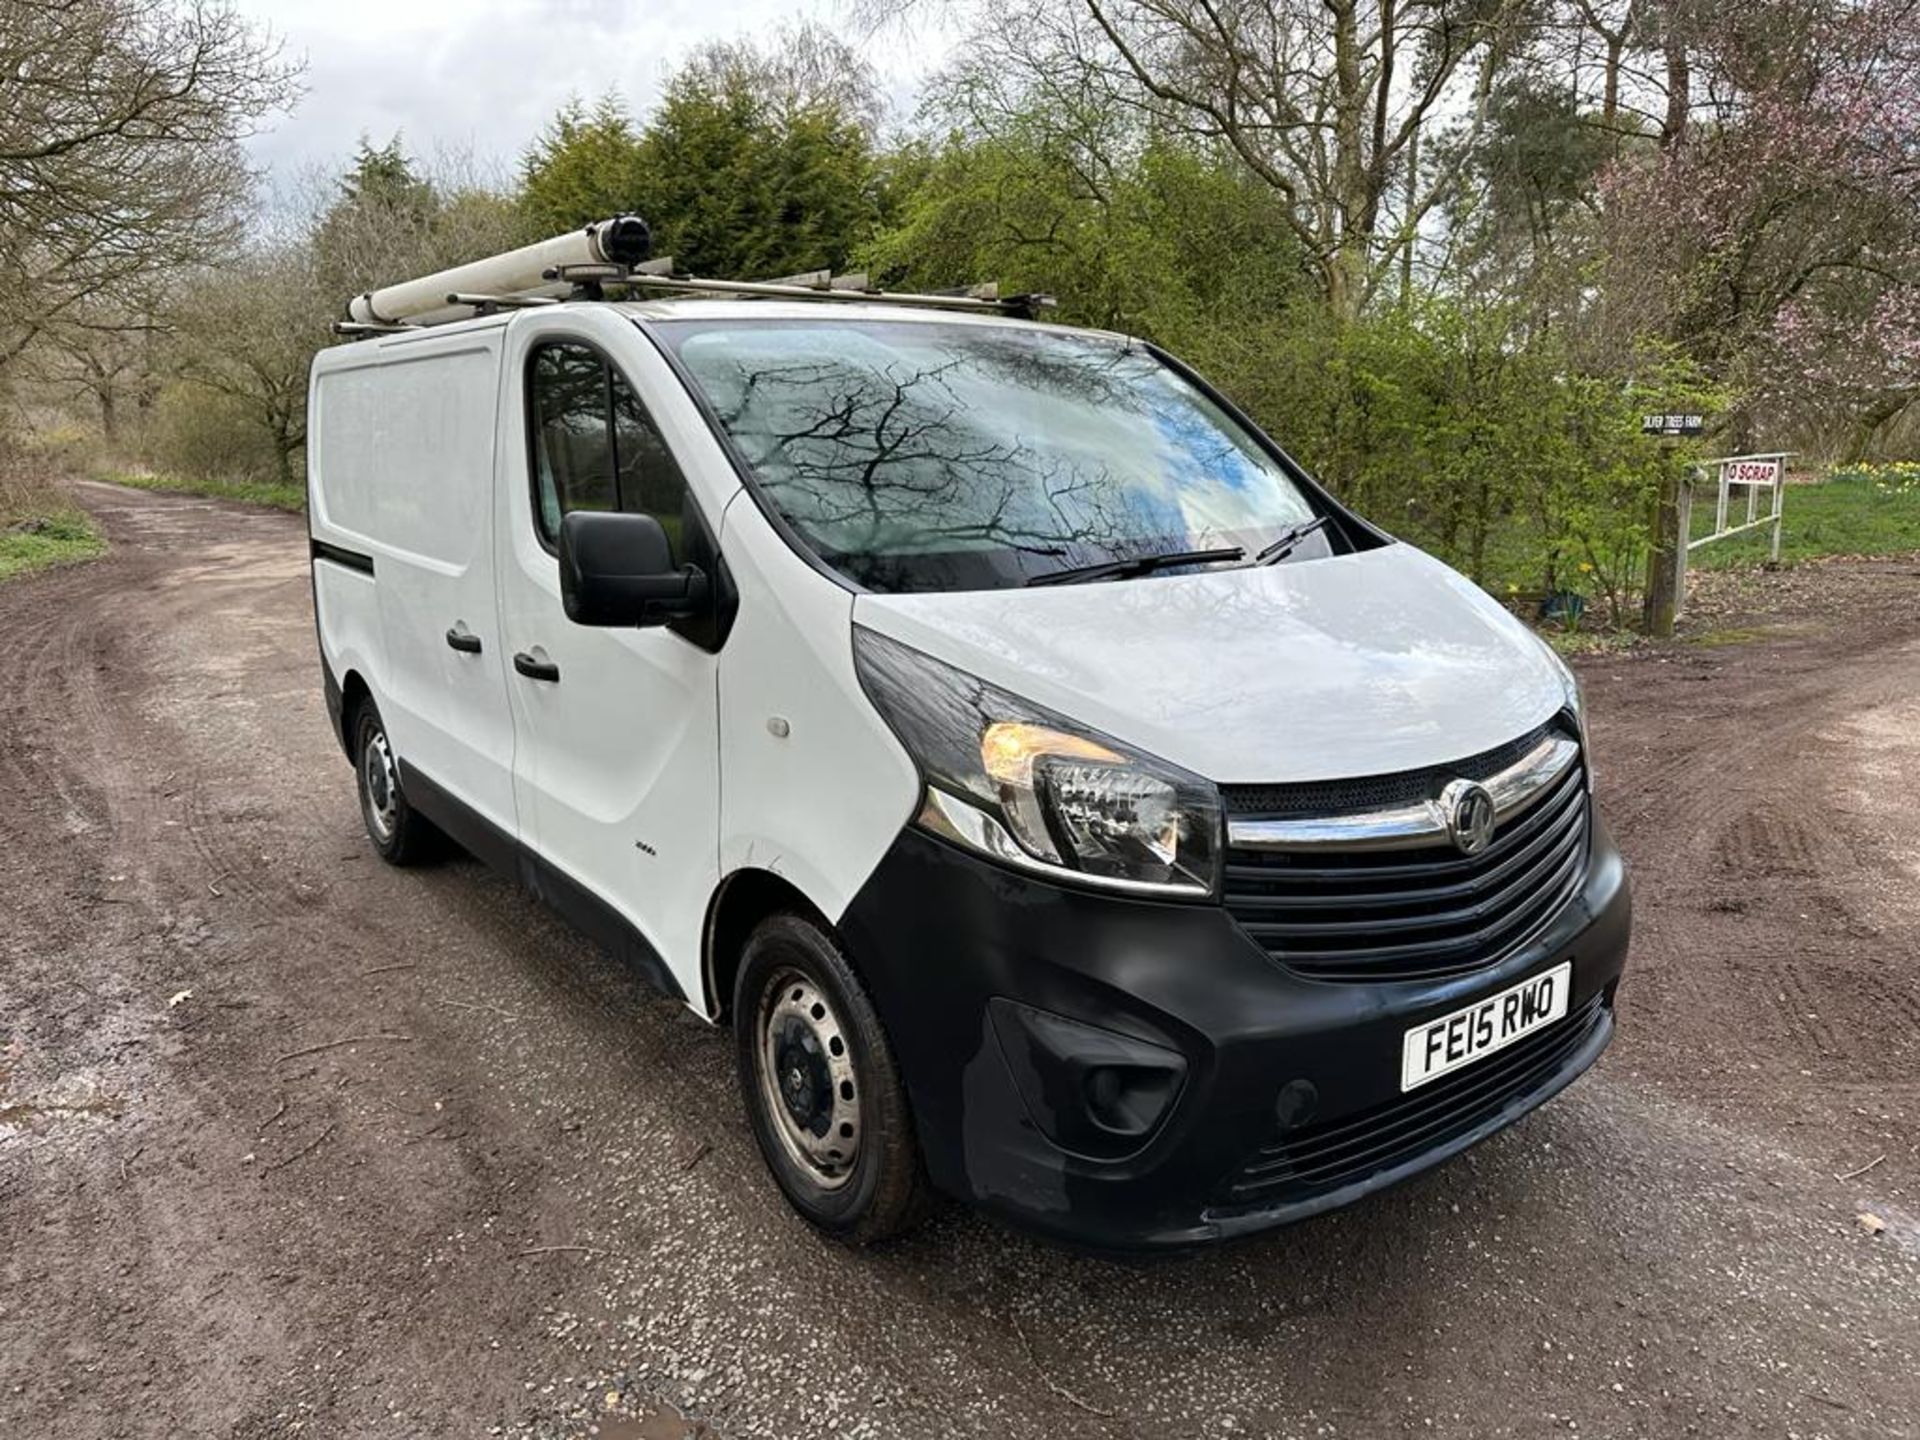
1068, 804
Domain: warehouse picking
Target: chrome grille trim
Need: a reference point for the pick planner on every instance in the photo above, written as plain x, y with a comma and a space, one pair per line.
1415, 826
1421, 909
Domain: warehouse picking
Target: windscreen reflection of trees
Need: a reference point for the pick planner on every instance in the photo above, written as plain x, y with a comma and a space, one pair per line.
928, 460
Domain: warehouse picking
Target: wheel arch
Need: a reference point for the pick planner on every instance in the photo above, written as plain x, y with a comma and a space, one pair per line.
741, 901
354, 692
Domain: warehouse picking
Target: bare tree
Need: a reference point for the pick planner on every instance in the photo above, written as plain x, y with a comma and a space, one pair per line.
244, 333
1613, 24
102, 351
802, 67
120, 123
247, 334
1324, 100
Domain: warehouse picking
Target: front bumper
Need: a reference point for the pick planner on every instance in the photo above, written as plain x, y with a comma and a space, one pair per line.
1003, 995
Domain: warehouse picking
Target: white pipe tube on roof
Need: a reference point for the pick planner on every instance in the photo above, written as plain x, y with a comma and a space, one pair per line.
623, 240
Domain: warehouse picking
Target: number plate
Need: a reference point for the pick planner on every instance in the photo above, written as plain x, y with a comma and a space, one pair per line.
1431, 1050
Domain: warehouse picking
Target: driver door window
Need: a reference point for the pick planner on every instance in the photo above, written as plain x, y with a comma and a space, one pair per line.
595, 447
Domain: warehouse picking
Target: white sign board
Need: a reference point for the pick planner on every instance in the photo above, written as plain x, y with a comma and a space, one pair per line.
1762, 471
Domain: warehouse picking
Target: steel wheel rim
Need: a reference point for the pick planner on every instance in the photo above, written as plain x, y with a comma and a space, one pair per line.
807, 1083
380, 786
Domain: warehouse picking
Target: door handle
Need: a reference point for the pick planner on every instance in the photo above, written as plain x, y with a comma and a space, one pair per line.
536, 669
466, 642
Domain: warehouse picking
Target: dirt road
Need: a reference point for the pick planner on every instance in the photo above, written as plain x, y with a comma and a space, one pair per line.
523, 1201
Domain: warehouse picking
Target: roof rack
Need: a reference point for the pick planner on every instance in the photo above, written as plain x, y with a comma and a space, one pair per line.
976, 297
583, 264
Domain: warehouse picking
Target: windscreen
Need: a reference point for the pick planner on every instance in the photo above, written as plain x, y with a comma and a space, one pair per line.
935, 455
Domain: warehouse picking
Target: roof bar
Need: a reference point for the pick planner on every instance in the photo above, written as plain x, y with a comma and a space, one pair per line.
485, 303
773, 289
812, 279
359, 328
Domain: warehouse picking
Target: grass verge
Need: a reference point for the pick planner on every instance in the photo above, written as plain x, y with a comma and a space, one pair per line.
35, 542
269, 493
1869, 510
39, 525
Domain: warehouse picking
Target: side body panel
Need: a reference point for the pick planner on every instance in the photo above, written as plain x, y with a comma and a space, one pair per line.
346, 601
402, 471
617, 770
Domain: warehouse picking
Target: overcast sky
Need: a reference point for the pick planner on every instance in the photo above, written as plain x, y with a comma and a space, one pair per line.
483, 76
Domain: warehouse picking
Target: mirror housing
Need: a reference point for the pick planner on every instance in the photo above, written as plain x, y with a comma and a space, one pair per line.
616, 569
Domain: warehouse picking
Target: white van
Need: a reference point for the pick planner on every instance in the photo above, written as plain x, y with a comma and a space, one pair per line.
1070, 806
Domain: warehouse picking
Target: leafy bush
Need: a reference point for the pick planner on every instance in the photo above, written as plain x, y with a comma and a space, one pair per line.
1459, 431
1172, 242
195, 430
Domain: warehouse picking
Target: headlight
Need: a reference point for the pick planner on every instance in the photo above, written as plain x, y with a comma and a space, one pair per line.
1030, 788
1576, 706
1570, 683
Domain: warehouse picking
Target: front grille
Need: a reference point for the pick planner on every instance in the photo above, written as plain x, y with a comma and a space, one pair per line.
1374, 792
1338, 914
1317, 1159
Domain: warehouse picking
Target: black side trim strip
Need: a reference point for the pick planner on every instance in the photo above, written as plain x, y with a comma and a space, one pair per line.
597, 920
584, 910
465, 826
352, 559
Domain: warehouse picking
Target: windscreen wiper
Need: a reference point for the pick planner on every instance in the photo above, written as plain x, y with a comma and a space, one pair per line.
1279, 550
1138, 565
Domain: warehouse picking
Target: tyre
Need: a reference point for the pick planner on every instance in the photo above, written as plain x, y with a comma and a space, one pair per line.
402, 836
821, 1088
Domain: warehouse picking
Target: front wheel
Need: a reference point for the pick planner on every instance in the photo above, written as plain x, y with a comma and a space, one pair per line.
822, 1091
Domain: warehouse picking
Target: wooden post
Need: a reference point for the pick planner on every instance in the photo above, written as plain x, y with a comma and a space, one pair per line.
1685, 532
1661, 604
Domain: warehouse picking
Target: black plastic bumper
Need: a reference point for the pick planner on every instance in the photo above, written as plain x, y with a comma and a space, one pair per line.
988, 980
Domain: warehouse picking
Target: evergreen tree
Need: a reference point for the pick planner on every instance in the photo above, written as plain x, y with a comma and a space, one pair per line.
378, 225
585, 166
737, 186
384, 178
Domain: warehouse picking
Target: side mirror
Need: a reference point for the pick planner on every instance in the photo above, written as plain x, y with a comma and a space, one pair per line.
617, 569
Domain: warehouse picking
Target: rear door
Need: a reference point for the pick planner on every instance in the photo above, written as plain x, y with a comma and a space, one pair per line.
617, 755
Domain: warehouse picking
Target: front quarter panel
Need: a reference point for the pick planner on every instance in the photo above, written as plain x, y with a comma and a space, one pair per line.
814, 787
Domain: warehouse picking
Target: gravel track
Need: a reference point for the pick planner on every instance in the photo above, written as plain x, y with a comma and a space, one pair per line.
524, 1202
